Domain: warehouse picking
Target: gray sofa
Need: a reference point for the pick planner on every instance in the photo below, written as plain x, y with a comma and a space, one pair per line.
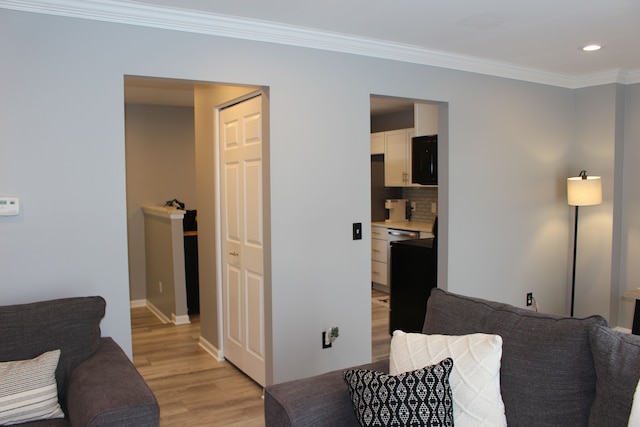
555, 371
97, 383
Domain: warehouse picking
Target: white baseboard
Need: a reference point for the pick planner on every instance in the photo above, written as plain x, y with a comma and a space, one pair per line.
211, 349
176, 320
138, 303
180, 320
625, 330
155, 310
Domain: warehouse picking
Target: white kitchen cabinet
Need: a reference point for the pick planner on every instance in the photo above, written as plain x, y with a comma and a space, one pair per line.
425, 118
379, 267
377, 143
397, 158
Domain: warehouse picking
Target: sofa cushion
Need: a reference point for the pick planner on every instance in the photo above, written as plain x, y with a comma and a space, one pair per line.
71, 325
634, 417
617, 361
547, 374
475, 379
318, 401
421, 397
28, 390
107, 390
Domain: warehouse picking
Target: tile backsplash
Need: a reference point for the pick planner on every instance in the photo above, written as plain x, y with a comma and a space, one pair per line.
424, 197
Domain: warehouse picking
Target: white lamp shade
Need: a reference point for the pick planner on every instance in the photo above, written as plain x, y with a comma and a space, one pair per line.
584, 192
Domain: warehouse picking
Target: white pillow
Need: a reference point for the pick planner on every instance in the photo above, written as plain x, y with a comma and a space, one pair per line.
28, 389
475, 379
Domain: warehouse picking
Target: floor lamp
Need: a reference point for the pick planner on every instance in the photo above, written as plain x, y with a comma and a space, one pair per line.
582, 190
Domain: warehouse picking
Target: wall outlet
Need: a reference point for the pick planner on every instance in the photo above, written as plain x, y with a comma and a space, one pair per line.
326, 342
160, 287
329, 335
529, 299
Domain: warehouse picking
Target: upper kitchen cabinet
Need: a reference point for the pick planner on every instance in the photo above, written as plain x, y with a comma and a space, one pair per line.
425, 118
397, 157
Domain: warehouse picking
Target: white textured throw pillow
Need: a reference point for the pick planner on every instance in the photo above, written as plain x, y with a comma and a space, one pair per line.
475, 379
28, 389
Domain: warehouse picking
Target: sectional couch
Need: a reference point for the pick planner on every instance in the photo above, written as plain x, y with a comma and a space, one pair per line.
554, 370
57, 370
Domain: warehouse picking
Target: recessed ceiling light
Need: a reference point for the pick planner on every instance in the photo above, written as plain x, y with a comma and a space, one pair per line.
591, 47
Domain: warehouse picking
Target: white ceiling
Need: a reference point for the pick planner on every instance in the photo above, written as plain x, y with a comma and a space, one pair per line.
541, 35
534, 41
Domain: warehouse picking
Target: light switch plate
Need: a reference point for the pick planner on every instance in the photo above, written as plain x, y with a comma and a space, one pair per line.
357, 231
9, 206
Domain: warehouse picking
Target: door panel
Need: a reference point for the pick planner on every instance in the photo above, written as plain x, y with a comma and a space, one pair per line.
255, 304
234, 301
242, 236
253, 203
232, 199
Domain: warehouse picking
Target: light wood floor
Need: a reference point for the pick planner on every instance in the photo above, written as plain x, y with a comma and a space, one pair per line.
380, 338
193, 389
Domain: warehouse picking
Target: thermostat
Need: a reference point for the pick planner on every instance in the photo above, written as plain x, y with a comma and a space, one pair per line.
9, 206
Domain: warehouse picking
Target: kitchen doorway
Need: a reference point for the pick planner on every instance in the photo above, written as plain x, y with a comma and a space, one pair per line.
394, 123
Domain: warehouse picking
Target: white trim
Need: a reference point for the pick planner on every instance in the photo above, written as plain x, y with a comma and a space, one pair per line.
158, 313
218, 228
126, 12
211, 349
163, 212
137, 303
180, 320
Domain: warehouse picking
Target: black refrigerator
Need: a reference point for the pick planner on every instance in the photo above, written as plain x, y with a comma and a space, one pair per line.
413, 274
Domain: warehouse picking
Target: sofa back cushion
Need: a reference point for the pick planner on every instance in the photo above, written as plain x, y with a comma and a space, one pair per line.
547, 375
71, 325
617, 359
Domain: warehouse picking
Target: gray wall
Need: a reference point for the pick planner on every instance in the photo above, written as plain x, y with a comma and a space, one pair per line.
511, 146
160, 157
628, 202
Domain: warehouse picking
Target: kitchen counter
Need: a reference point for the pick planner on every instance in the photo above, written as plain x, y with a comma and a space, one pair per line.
405, 225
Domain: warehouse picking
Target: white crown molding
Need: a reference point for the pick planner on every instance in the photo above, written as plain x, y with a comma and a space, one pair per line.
127, 12
613, 76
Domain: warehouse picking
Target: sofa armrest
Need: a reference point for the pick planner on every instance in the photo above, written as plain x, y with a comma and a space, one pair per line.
107, 390
322, 400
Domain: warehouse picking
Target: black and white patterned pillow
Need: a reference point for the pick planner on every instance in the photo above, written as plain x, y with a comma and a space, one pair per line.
417, 398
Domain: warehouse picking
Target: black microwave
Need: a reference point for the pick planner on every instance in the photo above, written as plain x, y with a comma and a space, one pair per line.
424, 160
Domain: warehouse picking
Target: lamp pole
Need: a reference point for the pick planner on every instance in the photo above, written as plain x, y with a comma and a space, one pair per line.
575, 246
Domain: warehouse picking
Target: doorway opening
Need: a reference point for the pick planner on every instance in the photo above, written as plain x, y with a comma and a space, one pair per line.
400, 201
170, 132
